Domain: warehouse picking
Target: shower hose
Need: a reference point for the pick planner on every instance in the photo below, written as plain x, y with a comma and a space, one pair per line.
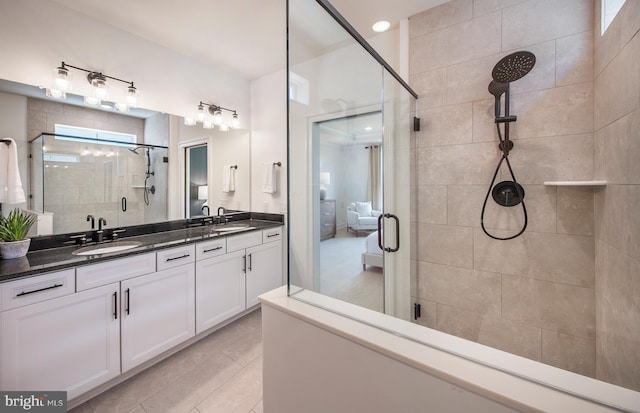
505, 157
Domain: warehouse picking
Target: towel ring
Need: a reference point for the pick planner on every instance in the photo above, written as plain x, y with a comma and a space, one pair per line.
234, 166
7, 141
277, 163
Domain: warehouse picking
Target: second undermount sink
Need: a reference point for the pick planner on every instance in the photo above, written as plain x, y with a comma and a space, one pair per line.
106, 248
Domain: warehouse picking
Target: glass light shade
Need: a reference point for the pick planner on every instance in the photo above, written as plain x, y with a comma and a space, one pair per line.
190, 121
56, 93
203, 192
132, 96
217, 117
62, 79
207, 124
234, 121
121, 107
201, 113
91, 100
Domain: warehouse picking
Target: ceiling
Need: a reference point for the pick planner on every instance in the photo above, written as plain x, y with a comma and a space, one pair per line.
244, 36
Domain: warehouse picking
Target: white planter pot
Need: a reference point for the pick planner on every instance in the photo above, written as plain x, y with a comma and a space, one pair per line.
16, 249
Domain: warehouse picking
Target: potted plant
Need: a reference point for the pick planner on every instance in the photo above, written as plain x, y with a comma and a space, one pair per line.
13, 232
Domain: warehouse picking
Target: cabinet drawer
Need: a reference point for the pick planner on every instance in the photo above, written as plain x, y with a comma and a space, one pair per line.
107, 272
176, 256
239, 242
272, 234
210, 249
39, 288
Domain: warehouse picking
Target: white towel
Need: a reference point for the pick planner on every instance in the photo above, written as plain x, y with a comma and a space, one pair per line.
228, 178
269, 182
11, 191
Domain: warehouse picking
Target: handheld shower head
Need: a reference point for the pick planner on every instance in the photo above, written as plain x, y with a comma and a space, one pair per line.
513, 67
498, 89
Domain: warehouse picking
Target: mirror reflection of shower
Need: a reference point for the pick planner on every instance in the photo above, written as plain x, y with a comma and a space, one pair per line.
148, 174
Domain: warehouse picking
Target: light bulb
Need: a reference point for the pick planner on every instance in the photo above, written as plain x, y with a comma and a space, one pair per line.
99, 83
234, 121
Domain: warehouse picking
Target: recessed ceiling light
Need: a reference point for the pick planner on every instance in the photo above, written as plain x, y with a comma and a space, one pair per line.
381, 26
368, 128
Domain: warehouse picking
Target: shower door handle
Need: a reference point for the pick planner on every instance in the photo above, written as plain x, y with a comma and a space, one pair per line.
394, 217
123, 204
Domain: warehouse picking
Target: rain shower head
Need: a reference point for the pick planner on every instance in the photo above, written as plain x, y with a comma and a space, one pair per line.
498, 89
513, 67
136, 149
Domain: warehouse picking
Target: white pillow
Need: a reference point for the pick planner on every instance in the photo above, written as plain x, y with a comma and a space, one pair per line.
363, 208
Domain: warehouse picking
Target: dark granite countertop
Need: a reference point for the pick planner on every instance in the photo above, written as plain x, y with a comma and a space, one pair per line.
55, 259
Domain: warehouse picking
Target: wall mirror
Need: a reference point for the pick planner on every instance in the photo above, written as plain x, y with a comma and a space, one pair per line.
167, 93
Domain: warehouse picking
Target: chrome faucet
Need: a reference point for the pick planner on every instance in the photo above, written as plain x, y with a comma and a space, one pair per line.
208, 211
220, 208
101, 222
99, 235
93, 221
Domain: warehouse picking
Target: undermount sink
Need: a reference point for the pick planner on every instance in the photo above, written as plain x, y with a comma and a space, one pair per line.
106, 248
233, 227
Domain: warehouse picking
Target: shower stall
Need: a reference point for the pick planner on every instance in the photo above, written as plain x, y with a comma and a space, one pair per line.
74, 177
450, 263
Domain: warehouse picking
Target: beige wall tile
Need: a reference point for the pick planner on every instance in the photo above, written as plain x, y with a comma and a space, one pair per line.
481, 7
428, 311
431, 87
542, 76
459, 43
537, 21
440, 17
469, 81
615, 216
574, 60
575, 210
448, 125
442, 244
565, 259
634, 221
605, 46
571, 353
566, 110
464, 288
426, 281
491, 330
617, 149
629, 128
457, 164
617, 357
558, 158
484, 127
432, 204
557, 307
629, 20
599, 154
618, 85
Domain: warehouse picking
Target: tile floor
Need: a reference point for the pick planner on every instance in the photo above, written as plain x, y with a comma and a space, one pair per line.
220, 373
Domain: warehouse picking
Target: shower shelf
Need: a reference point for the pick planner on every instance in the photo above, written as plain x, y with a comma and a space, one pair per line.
575, 183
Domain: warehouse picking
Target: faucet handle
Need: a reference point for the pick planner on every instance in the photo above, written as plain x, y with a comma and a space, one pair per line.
115, 232
78, 239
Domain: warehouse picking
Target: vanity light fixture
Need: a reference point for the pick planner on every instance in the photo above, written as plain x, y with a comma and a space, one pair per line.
215, 119
62, 85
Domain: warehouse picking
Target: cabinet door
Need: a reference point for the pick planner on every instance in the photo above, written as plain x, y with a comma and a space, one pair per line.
221, 289
264, 270
69, 343
157, 313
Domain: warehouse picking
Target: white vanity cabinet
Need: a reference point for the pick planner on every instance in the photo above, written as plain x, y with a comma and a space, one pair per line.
67, 343
158, 310
264, 265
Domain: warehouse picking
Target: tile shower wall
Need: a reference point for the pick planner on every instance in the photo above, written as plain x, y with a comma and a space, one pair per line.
617, 222
72, 196
535, 295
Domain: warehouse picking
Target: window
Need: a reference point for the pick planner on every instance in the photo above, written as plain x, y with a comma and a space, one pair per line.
93, 134
610, 9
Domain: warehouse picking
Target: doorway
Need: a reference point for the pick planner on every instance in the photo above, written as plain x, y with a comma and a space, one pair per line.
196, 181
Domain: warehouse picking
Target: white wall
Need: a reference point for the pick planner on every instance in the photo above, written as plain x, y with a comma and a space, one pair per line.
269, 140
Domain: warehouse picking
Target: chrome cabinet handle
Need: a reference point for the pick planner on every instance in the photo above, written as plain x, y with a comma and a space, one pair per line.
273, 235
213, 249
115, 306
126, 301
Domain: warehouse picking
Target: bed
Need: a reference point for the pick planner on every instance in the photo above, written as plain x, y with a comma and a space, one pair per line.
373, 254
